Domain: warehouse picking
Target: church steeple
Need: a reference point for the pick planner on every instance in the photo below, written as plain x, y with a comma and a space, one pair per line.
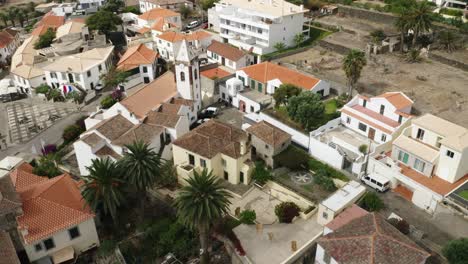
187, 72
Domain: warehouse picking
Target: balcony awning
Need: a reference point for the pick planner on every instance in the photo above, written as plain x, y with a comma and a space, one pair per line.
63, 255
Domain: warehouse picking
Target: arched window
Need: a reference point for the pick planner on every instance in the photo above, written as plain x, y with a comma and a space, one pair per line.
182, 76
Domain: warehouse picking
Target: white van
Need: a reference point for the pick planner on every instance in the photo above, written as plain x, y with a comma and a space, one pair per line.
376, 181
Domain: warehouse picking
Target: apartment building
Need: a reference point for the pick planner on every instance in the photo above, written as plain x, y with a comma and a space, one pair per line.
257, 25
82, 70
217, 147
141, 63
379, 117
146, 5
426, 162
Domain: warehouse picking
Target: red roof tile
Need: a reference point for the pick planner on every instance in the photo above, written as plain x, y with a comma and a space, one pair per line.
215, 73
347, 216
226, 50
136, 56
397, 99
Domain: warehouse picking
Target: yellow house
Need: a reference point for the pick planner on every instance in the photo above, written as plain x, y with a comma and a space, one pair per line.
216, 146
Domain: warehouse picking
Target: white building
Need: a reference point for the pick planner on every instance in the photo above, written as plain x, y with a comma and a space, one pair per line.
83, 69
426, 162
377, 117
56, 224
64, 9
90, 5
169, 42
142, 64
158, 17
146, 5
9, 42
229, 56
257, 25
154, 114
339, 201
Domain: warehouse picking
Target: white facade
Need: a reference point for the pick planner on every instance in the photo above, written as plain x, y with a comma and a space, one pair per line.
321, 257
64, 9
8, 50
28, 85
87, 239
187, 72
169, 49
244, 61
255, 24
146, 5
90, 4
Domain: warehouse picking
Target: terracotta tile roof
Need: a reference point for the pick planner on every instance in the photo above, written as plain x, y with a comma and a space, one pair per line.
225, 50
113, 127
197, 35
347, 216
52, 21
155, 13
12, 32
366, 121
182, 101
144, 30
375, 115
92, 139
266, 71
371, 239
107, 151
172, 36
268, 133
49, 205
404, 192
169, 108
9, 199
152, 95
7, 252
162, 119
136, 56
211, 138
5, 38
144, 132
23, 178
215, 73
397, 99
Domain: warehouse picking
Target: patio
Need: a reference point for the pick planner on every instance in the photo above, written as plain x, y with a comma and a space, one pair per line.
260, 201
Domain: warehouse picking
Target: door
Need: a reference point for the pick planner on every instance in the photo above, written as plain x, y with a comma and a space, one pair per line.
146, 79
371, 134
70, 78
223, 61
241, 177
242, 105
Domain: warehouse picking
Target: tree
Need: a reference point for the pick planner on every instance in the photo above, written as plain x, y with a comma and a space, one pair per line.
420, 18
4, 17
403, 24
306, 108
103, 187
131, 9
71, 132
280, 46
284, 92
107, 102
298, 39
371, 202
103, 21
113, 5
200, 204
207, 4
323, 178
378, 35
286, 211
456, 251
185, 11
143, 168
31, 7
21, 16
353, 64
114, 77
47, 166
42, 89
55, 95
45, 39
260, 173
12, 11
448, 40
248, 217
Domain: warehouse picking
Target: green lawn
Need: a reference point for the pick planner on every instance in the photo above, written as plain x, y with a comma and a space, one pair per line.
464, 194
331, 106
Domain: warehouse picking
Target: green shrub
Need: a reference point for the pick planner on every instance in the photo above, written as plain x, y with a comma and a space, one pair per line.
456, 251
71, 132
107, 102
323, 179
316, 166
451, 12
371, 202
261, 174
363, 149
248, 217
292, 158
42, 89
280, 46
106, 248
286, 211
47, 166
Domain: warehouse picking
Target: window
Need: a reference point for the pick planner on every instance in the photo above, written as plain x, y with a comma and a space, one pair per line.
182, 76
252, 109
241, 177
195, 73
203, 163
362, 127
99, 67
226, 175
382, 109
145, 69
420, 134
450, 154
88, 73
38, 247
364, 103
259, 31
400, 119
260, 87
49, 243
74, 232
223, 161
168, 44
384, 138
403, 157
419, 165
146, 79
438, 142
191, 159
325, 215
348, 120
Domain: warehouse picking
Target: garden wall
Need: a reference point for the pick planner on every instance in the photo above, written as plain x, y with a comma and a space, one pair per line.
371, 15
333, 47
457, 64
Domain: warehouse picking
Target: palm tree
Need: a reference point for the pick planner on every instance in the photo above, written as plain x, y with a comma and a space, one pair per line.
143, 168
21, 16
200, 204
4, 17
12, 11
103, 187
352, 66
449, 40
420, 19
114, 77
403, 24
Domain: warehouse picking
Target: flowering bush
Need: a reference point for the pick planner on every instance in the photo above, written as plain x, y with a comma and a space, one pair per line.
49, 149
117, 95
286, 211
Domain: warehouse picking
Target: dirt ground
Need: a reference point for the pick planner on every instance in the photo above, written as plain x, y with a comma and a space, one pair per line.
436, 88
19, 2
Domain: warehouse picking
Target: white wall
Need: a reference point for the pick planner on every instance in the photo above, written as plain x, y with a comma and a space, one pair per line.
452, 169
88, 238
320, 256
325, 153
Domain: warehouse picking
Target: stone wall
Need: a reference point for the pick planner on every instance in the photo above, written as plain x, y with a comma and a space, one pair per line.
334, 47
447, 61
374, 16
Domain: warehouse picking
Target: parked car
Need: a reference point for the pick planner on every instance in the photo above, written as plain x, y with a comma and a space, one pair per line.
376, 181
192, 24
204, 25
209, 112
